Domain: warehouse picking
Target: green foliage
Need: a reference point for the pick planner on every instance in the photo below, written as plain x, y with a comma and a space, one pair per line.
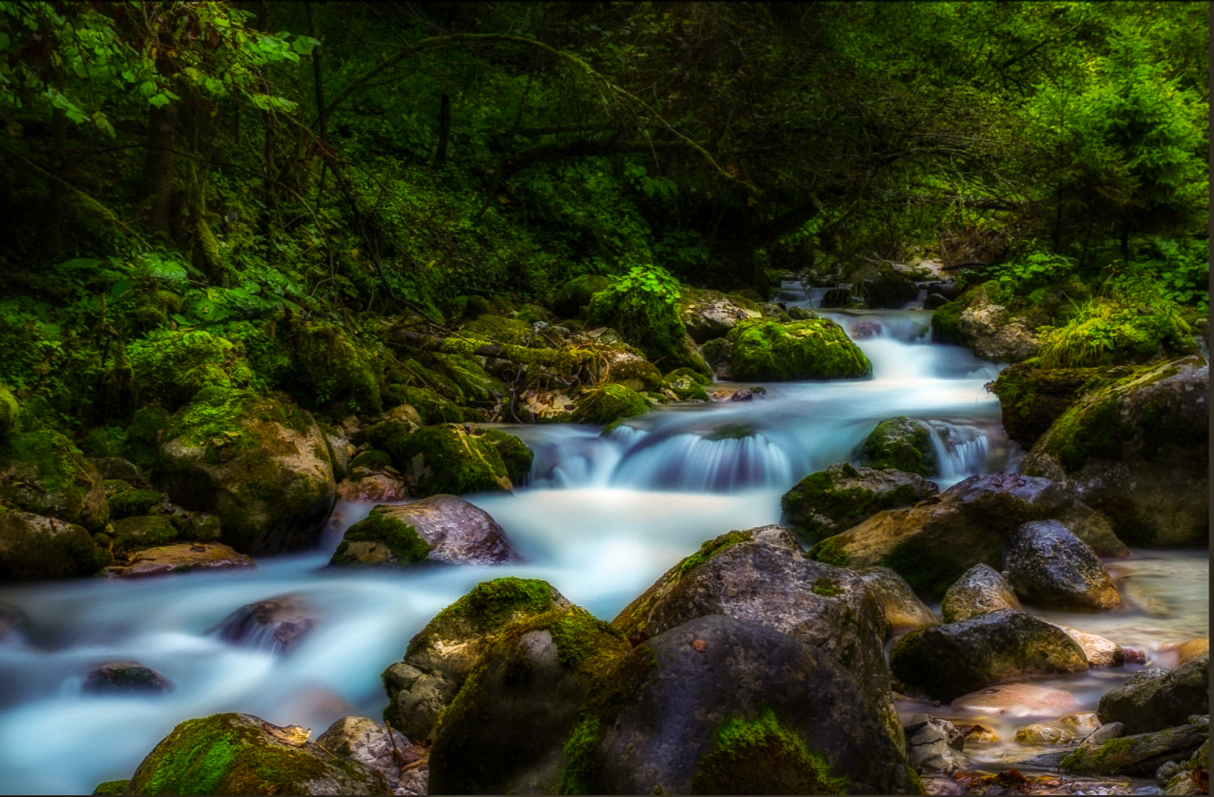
104, 441
170, 366
642, 306
131, 503
1115, 331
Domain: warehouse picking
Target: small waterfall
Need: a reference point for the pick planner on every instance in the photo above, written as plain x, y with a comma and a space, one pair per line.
961, 449
692, 462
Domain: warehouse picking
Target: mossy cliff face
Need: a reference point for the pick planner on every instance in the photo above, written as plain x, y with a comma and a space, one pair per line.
1137, 451
442, 654
261, 465
241, 754
45, 474
814, 349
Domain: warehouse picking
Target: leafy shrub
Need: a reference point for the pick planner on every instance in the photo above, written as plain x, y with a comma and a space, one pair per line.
642, 306
1112, 331
172, 365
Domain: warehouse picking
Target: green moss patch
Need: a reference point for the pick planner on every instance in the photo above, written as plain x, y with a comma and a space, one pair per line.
607, 403
515, 454
372, 460
403, 542
113, 787
130, 503
447, 459
8, 411
829, 551
710, 549
902, 444
762, 756
487, 607
145, 531
170, 366
813, 349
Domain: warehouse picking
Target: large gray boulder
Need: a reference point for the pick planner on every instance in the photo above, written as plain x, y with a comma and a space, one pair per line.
441, 656
993, 334
903, 609
33, 546
947, 661
1137, 451
980, 590
719, 705
934, 542
762, 576
1048, 566
1161, 699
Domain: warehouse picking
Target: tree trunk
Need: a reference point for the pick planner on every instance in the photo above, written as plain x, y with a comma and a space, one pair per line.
158, 168
444, 129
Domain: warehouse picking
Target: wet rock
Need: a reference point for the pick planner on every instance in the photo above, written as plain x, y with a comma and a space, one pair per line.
1138, 754
980, 590
1082, 723
934, 301
440, 657
799, 313
1045, 733
197, 526
836, 297
1189, 649
366, 741
505, 731
44, 474
934, 745
1192, 776
993, 334
934, 542
1032, 398
977, 733
451, 459
762, 576
1159, 700
179, 558
124, 677
830, 501
711, 314
947, 661
380, 488
242, 754
890, 291
266, 474
441, 528
118, 468
1109, 730
608, 403
903, 609
33, 546
816, 349
129, 503
864, 329
276, 624
717, 353
1017, 700
1101, 652
719, 705
1137, 451
1049, 566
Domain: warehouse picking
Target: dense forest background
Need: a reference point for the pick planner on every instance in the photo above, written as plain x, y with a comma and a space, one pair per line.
284, 184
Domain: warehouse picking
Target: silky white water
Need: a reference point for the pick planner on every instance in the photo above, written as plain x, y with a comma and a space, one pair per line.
603, 517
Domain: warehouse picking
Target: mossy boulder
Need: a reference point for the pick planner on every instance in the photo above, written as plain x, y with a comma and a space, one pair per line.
945, 662
442, 528
33, 546
1137, 450
830, 501
43, 473
993, 333
574, 295
503, 733
442, 654
624, 366
608, 403
9, 410
143, 531
144, 435
816, 349
711, 314
170, 366
242, 754
451, 459
1140, 754
498, 329
434, 408
178, 558
328, 367
113, 787
515, 454
1050, 567
722, 705
129, 503
262, 466
946, 323
932, 543
1032, 398
762, 576
466, 372
117, 677
902, 444
890, 290
1153, 703
686, 385
980, 590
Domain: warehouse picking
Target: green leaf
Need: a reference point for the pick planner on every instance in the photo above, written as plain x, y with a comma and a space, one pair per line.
304, 45
159, 100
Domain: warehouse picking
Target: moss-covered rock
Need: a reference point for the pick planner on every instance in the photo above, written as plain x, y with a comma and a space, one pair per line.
574, 295
381, 540
33, 546
372, 459
502, 330
1138, 452
1115, 331
9, 410
261, 465
608, 403
515, 454
1051, 568
129, 503
1032, 398
45, 474
242, 754
328, 368
1151, 703
817, 349
890, 290
711, 314
170, 366
830, 501
450, 459
1139, 754
145, 531
442, 654
144, 434
113, 787
434, 408
946, 323
687, 384
947, 661
104, 441
902, 444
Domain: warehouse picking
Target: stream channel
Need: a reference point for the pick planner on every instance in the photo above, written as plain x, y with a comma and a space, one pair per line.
603, 517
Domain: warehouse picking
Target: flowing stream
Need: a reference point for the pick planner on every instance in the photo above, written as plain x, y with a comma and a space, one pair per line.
605, 514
